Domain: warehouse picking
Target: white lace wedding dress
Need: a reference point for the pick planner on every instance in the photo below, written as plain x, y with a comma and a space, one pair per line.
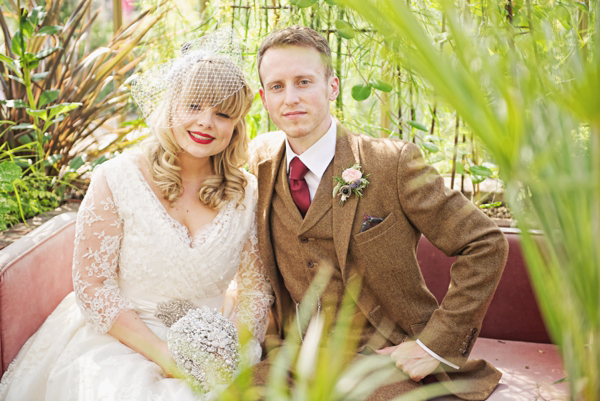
130, 254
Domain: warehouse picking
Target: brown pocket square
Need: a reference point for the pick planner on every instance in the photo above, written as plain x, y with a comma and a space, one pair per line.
369, 222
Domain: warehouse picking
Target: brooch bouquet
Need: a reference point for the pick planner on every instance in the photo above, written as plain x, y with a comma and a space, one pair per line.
205, 346
351, 182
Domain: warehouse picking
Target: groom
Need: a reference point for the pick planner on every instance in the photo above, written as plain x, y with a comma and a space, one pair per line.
302, 226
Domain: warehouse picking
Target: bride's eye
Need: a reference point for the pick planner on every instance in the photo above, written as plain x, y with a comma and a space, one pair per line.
223, 115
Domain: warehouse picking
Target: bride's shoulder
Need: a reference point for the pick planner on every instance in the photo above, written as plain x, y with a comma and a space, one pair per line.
121, 161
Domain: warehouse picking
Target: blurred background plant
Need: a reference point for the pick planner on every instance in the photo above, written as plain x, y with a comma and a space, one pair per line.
57, 92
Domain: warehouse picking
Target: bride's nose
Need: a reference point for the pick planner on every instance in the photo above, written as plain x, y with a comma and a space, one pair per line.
204, 119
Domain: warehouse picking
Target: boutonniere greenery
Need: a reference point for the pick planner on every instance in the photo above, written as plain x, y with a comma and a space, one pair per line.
351, 182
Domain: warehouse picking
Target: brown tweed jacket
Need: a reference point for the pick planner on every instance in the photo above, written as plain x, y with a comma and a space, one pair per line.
411, 197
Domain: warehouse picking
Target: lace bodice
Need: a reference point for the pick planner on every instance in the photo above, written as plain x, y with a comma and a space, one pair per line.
127, 243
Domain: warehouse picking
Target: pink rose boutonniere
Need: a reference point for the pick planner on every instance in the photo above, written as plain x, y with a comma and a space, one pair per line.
351, 182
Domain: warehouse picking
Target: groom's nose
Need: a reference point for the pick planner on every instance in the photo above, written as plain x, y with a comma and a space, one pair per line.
291, 95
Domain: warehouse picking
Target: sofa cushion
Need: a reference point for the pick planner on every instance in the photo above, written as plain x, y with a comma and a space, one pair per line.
529, 370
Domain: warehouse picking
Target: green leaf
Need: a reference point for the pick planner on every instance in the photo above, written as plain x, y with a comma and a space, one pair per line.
17, 79
25, 139
29, 60
490, 205
47, 137
564, 16
76, 163
48, 97
43, 114
430, 147
99, 161
381, 85
432, 138
49, 30
344, 29
17, 44
476, 179
303, 3
331, 2
39, 76
460, 169
583, 6
481, 170
37, 14
52, 160
23, 126
361, 92
46, 52
5, 59
418, 126
15, 103
62, 108
9, 172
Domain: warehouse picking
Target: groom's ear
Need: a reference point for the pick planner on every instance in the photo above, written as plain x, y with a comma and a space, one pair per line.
262, 97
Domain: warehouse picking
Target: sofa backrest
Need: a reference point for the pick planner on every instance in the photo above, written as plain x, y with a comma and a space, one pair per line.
513, 313
35, 275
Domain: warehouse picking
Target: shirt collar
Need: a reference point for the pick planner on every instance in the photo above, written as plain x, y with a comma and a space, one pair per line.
319, 155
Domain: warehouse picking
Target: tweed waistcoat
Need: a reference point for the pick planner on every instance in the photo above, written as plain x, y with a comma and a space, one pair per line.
302, 246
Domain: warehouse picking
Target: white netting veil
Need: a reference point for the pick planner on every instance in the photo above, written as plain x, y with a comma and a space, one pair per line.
206, 74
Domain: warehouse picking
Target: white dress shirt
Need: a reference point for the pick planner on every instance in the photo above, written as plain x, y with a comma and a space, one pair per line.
317, 159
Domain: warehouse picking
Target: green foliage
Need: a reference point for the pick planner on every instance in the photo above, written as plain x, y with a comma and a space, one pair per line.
56, 98
324, 363
24, 197
528, 85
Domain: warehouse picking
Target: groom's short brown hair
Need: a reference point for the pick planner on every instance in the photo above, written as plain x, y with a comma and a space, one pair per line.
297, 35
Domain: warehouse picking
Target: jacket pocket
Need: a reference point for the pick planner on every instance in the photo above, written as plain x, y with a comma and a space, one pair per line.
376, 231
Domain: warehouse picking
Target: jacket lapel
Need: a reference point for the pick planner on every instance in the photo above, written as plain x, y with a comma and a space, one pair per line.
346, 154
267, 176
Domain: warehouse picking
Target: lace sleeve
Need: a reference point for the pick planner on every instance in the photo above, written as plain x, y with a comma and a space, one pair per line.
254, 295
96, 256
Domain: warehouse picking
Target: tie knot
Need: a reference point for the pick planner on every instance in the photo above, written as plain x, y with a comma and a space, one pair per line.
297, 169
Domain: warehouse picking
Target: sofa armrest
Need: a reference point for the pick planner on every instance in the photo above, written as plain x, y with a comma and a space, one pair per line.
513, 313
35, 275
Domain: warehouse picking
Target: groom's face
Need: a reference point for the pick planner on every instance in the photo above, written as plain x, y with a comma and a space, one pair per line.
296, 92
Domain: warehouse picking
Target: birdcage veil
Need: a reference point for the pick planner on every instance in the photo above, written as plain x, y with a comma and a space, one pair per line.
207, 73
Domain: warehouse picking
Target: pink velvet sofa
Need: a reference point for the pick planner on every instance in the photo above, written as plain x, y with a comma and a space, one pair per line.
35, 275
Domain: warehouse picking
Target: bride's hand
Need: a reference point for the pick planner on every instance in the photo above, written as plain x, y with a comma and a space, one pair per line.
167, 363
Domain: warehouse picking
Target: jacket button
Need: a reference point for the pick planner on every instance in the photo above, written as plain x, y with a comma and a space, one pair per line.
304, 240
310, 264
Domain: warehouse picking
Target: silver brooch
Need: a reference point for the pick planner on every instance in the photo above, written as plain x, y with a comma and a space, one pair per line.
204, 344
171, 311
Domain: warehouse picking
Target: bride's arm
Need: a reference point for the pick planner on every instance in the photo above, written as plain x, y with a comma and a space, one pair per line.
254, 295
95, 271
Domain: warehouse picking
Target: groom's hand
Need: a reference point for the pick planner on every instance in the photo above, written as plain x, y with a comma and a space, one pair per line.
411, 359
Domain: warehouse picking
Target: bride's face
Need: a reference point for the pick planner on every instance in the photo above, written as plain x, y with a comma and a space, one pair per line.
205, 131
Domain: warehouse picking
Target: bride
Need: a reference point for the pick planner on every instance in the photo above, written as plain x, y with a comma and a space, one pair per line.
169, 224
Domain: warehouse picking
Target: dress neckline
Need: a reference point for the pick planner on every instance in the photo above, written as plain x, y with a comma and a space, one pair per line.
182, 231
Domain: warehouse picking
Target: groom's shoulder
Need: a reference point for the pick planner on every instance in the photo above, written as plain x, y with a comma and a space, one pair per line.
264, 146
381, 147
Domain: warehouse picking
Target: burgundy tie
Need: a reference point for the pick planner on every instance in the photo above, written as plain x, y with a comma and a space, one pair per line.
298, 185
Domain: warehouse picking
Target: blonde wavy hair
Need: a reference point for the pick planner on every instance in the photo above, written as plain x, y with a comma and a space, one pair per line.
161, 149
